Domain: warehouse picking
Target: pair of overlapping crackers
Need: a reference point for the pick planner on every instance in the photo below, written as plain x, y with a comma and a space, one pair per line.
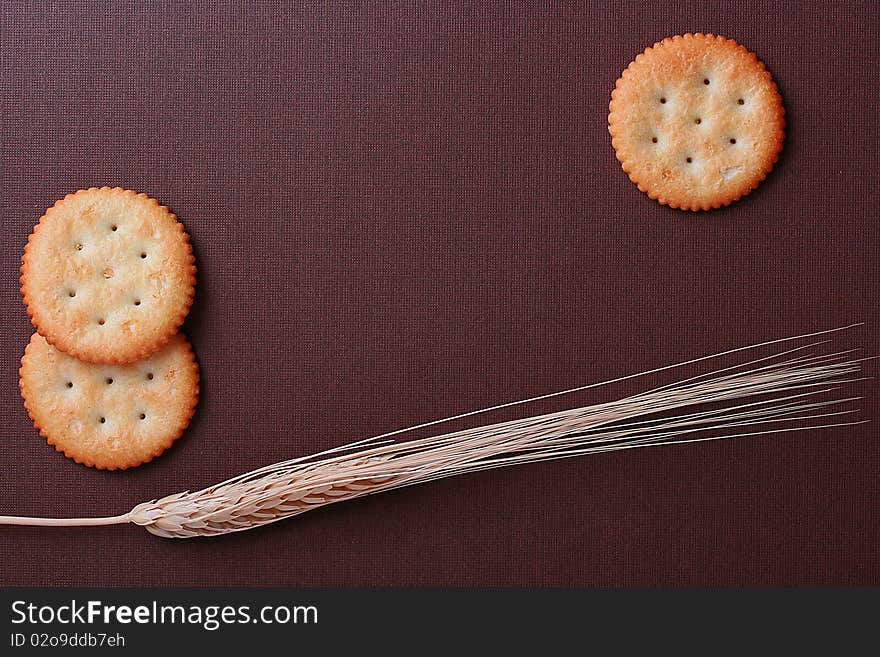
108, 277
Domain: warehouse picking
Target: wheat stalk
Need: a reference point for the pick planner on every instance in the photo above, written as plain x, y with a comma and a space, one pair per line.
792, 390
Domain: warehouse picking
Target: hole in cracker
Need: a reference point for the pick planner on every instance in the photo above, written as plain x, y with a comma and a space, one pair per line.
101, 322
698, 121
149, 376
663, 100
689, 160
143, 416
705, 80
143, 255
114, 227
71, 293
732, 140
103, 420
137, 302
79, 247
69, 384
108, 381
107, 273
653, 140
740, 101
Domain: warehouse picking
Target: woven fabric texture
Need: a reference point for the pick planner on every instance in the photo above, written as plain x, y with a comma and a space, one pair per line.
402, 211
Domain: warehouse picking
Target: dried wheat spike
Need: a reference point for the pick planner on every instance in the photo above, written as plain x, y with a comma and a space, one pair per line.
796, 389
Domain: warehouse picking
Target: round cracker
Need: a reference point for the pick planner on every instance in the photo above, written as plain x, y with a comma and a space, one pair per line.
108, 275
110, 416
696, 121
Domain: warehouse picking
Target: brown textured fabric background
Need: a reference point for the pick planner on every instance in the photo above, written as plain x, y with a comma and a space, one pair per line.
402, 211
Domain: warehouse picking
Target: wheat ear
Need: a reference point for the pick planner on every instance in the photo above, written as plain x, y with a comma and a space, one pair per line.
790, 390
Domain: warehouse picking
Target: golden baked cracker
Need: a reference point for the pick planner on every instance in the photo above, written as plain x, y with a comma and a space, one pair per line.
696, 121
110, 416
108, 275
